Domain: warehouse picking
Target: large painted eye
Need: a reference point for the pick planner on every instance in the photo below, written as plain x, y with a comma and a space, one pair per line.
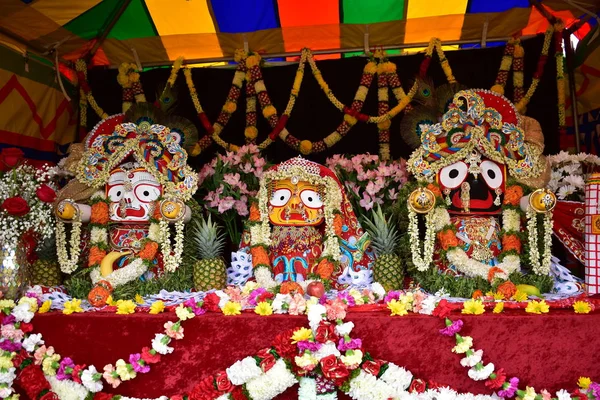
492, 174
453, 175
311, 199
280, 197
147, 193
115, 193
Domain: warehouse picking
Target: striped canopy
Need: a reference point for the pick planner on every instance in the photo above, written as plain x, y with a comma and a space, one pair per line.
159, 31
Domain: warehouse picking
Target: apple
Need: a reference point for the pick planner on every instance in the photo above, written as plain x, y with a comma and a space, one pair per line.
316, 289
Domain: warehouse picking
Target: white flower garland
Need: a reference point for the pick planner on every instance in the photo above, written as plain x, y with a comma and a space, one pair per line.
68, 262
307, 390
540, 267
121, 276
173, 260
272, 383
67, 389
422, 261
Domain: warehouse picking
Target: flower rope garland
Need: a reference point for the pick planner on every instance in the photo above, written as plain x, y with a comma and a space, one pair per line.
539, 266
518, 74
383, 106
68, 259
505, 64
560, 75
81, 68
129, 79
251, 131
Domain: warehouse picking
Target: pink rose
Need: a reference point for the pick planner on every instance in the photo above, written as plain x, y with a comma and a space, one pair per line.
336, 309
174, 334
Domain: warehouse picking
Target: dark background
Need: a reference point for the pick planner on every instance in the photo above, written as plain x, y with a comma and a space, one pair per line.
314, 117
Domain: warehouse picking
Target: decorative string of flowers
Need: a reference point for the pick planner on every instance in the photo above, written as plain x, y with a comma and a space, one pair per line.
518, 72
68, 258
129, 79
540, 263
84, 86
560, 74
505, 64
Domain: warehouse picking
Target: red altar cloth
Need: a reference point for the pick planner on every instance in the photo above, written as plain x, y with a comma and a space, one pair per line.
545, 351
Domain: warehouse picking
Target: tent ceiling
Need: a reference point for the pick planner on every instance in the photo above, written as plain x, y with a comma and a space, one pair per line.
162, 30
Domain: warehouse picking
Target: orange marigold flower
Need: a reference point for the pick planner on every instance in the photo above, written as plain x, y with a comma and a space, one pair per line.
149, 251
99, 294
511, 242
156, 212
477, 294
259, 256
290, 287
492, 273
447, 239
96, 256
325, 269
508, 289
513, 195
254, 213
435, 189
99, 213
337, 224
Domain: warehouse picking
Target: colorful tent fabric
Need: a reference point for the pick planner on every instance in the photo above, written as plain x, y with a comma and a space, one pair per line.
161, 30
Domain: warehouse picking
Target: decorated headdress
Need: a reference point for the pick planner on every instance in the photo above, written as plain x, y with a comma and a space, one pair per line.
333, 196
483, 121
156, 147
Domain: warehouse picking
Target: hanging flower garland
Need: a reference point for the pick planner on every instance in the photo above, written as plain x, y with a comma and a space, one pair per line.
505, 64
560, 75
81, 68
251, 131
129, 79
540, 265
384, 68
518, 74
68, 259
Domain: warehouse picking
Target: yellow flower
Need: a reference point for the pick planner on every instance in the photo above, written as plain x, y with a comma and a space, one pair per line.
110, 301
263, 308
45, 307
464, 345
139, 299
73, 306
302, 334
584, 382
230, 107
33, 305
307, 360
537, 307
357, 296
249, 287
582, 307
269, 111
497, 296
50, 364
529, 394
370, 68
125, 307
251, 132
397, 308
183, 312
6, 363
6, 304
157, 307
473, 306
124, 370
499, 308
306, 147
232, 308
520, 295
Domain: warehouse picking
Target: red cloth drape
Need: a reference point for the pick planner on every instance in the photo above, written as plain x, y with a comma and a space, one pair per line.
545, 351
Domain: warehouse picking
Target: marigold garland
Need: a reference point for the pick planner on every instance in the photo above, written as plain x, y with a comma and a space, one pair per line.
560, 75
129, 79
81, 68
518, 74
505, 64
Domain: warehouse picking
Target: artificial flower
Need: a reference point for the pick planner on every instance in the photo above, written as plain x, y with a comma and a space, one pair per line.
243, 371
33, 303
232, 308
498, 308
297, 305
160, 342
281, 303
481, 372
173, 330
563, 395
537, 307
530, 394
124, 370
6, 304
32, 341
110, 301
344, 329
397, 308
582, 307
10, 332
150, 356
139, 299
138, 363
520, 296
125, 307
22, 313
452, 328
302, 334
307, 361
110, 376
50, 364
473, 306
45, 307
336, 309
263, 308
157, 307
90, 379
509, 388
472, 358
584, 382
183, 312
352, 359
72, 306
496, 379
463, 344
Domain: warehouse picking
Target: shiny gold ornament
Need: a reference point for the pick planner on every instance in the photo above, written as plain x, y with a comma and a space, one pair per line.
542, 200
172, 210
421, 200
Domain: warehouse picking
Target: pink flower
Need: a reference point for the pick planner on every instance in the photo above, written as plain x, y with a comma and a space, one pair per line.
241, 207
368, 294
10, 332
41, 353
392, 194
297, 305
205, 172
234, 294
173, 334
232, 179
247, 168
259, 163
110, 376
336, 309
366, 202
545, 395
226, 204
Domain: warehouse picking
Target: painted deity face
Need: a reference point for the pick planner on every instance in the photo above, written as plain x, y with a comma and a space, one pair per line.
473, 186
131, 194
298, 204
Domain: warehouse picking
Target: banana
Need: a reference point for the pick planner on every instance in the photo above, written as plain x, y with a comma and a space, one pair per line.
106, 265
529, 290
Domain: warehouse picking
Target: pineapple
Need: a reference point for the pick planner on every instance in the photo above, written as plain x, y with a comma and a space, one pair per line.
209, 270
45, 271
384, 239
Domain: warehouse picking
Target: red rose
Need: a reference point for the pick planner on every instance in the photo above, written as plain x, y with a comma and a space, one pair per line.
267, 363
443, 309
334, 370
148, 357
33, 381
50, 396
498, 381
372, 367
325, 332
264, 353
10, 157
103, 396
46, 194
16, 206
417, 385
205, 390
211, 302
25, 327
19, 358
223, 382
283, 344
